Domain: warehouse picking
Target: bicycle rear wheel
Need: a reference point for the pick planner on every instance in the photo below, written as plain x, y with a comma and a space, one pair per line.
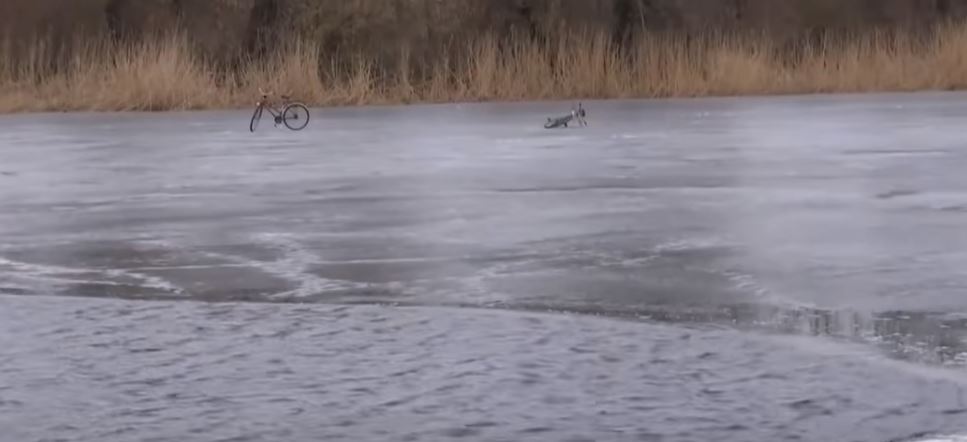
295, 116
255, 119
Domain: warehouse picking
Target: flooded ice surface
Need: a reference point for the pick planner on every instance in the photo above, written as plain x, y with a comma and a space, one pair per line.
729, 269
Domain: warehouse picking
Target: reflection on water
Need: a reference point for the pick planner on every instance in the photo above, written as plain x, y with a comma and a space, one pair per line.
916, 336
923, 337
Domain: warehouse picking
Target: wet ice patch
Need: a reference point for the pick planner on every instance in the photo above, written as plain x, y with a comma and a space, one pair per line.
292, 265
516, 141
945, 438
913, 199
896, 152
626, 136
896, 193
61, 278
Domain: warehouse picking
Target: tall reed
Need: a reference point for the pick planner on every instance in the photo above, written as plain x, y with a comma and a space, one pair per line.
166, 73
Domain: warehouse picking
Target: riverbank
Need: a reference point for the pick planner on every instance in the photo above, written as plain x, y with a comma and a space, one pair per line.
168, 74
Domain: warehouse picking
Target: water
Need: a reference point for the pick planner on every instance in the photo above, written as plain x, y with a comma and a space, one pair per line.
728, 269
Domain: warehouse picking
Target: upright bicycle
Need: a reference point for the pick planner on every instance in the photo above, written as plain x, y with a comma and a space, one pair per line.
292, 114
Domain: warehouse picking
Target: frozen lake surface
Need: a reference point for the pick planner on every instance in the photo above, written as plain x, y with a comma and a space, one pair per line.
754, 269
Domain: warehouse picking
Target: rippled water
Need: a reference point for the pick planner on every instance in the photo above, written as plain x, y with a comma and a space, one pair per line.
758, 269
96, 370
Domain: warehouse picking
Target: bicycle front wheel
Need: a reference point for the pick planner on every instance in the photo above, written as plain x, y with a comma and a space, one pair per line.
295, 116
255, 119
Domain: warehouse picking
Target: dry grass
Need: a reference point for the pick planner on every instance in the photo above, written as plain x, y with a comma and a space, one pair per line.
166, 75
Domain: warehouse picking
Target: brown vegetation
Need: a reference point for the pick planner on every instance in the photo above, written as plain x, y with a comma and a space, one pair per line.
192, 54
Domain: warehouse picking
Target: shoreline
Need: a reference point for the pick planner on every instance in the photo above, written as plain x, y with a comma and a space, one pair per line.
547, 101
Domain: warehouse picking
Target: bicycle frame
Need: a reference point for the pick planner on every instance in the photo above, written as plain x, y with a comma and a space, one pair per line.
274, 110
